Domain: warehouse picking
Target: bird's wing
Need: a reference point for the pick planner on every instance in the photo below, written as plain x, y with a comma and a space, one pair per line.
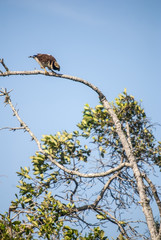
45, 58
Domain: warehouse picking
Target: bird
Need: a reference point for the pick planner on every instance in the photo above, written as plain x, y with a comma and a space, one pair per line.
46, 60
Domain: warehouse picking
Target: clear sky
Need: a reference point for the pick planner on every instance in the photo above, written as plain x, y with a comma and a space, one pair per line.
112, 44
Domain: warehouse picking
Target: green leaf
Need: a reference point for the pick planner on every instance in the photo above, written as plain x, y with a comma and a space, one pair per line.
100, 216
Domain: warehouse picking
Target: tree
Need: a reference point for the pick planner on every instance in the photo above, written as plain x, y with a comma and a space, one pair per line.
101, 170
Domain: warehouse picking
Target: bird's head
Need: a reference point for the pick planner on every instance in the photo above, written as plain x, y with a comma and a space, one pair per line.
56, 66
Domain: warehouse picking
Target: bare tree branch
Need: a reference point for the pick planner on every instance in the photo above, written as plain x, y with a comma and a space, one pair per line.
23, 124
12, 129
100, 196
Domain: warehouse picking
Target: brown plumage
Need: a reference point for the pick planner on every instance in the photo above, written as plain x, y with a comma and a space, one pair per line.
46, 60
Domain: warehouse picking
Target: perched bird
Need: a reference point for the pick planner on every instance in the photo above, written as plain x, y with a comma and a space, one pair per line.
46, 60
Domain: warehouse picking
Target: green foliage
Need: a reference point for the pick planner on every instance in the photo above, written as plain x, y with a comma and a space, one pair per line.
98, 124
97, 234
70, 233
69, 147
14, 230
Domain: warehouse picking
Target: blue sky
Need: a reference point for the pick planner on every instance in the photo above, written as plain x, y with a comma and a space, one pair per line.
112, 44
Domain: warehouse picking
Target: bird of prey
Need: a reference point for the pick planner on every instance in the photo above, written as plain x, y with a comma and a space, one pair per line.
46, 60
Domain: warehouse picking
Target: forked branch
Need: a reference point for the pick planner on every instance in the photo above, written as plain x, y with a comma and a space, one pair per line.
4, 65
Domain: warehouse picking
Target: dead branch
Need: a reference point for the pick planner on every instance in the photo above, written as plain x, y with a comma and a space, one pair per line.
51, 74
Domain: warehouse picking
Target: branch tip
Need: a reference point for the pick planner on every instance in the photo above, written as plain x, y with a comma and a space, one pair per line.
4, 65
5, 93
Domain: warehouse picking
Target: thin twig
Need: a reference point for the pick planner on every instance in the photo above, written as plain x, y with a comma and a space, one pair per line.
114, 220
12, 129
4, 65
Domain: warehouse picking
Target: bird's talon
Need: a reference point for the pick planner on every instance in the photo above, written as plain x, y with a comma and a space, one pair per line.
46, 73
